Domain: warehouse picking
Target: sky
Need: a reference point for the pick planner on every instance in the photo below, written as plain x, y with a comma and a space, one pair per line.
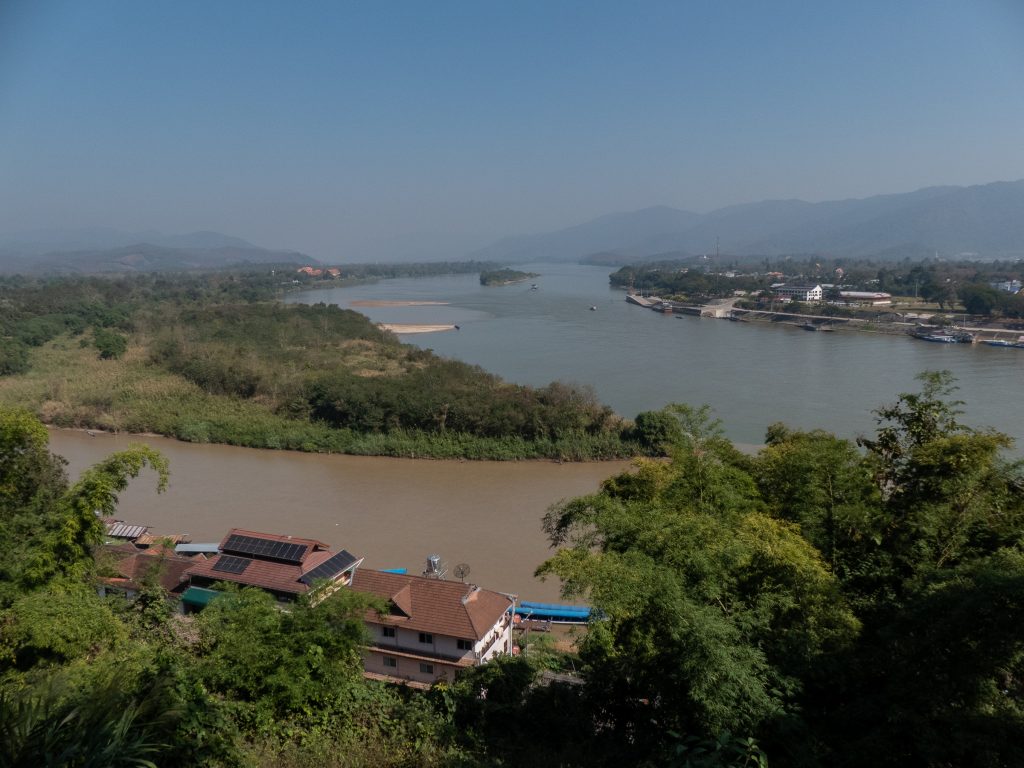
375, 131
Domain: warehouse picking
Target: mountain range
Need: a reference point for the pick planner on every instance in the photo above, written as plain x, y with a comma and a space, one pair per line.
91, 251
984, 221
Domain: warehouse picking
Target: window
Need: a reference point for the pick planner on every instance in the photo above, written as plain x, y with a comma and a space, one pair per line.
427, 669
426, 638
464, 645
390, 661
387, 631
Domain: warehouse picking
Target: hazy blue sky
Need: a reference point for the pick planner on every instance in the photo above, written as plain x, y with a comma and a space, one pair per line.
350, 130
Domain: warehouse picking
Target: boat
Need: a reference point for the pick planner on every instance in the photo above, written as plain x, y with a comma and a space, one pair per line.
1018, 344
593, 308
809, 326
533, 287
569, 614
951, 336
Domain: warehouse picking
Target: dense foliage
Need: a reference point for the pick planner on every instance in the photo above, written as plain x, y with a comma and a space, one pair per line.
821, 603
504, 276
843, 605
209, 358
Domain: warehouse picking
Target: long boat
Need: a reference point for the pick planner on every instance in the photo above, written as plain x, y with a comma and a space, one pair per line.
1018, 344
553, 612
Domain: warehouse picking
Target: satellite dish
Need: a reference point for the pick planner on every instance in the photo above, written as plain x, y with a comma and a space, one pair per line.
462, 571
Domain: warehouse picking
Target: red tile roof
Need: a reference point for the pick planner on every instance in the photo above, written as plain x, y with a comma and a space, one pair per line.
275, 577
433, 605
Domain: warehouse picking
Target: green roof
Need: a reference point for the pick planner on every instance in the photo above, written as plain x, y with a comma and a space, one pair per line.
198, 596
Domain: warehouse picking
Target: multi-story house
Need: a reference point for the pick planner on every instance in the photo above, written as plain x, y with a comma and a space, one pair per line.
432, 628
798, 292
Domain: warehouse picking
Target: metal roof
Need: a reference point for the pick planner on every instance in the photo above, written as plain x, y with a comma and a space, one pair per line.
119, 530
197, 549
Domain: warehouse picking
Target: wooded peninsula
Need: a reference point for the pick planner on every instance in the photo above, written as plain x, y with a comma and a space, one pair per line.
214, 357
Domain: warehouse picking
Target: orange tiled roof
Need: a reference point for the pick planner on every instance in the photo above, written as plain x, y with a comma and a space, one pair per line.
433, 605
276, 577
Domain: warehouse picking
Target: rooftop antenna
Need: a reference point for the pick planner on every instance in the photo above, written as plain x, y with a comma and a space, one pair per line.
716, 248
461, 572
435, 568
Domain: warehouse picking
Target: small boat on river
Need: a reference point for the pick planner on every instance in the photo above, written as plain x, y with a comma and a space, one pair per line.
1018, 344
950, 336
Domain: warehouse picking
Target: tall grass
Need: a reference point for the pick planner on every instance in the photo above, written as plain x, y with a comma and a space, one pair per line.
69, 386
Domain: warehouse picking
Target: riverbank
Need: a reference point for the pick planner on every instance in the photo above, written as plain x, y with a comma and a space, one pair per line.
878, 323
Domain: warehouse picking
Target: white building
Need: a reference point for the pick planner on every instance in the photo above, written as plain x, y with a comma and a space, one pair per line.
798, 292
432, 628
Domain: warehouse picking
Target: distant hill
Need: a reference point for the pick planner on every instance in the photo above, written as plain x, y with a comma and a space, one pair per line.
987, 220
95, 251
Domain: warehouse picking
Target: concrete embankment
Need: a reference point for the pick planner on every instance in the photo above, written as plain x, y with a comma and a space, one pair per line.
874, 324
823, 322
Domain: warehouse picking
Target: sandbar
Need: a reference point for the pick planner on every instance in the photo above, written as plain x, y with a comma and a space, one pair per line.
386, 303
410, 328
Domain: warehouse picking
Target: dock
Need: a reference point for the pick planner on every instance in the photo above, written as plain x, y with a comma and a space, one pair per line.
647, 302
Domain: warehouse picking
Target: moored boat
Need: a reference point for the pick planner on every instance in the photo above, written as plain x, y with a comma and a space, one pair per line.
1018, 344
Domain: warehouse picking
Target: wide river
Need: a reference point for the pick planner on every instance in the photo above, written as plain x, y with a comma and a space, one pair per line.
395, 512
636, 360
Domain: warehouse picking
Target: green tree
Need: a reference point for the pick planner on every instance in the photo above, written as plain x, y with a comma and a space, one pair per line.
711, 610
656, 431
111, 344
13, 358
50, 529
948, 494
825, 485
934, 677
303, 662
980, 299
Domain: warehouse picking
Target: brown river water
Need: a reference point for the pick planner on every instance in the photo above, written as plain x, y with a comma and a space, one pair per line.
393, 512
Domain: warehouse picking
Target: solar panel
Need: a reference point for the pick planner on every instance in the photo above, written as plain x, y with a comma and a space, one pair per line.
277, 550
231, 564
329, 568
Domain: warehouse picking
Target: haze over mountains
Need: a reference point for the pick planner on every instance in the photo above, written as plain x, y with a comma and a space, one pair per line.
100, 250
985, 220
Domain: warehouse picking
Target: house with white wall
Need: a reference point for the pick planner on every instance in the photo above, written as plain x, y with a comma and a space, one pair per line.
798, 292
431, 628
